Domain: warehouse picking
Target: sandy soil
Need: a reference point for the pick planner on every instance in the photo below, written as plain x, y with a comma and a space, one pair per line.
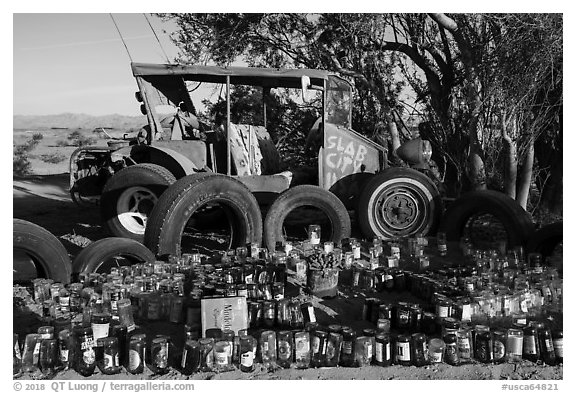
43, 199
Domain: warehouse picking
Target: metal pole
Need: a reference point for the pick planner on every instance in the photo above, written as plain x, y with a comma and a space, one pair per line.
228, 150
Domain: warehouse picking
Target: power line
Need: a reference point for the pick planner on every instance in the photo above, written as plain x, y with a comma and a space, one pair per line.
122, 38
157, 39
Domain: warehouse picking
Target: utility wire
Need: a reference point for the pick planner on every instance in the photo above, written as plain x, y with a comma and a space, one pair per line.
157, 39
121, 37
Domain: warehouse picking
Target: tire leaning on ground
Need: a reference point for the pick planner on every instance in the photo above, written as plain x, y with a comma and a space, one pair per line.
169, 217
98, 257
47, 253
306, 195
399, 202
546, 239
516, 221
129, 196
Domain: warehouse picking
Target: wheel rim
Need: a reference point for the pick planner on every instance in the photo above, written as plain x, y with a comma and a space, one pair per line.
133, 208
401, 208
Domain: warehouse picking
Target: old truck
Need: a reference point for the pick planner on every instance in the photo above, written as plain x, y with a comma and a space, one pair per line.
152, 186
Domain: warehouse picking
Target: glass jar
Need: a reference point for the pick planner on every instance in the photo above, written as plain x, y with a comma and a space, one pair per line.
136, 354
363, 351
314, 234
464, 345
333, 348
206, 354
319, 340
403, 350
268, 348
64, 344
110, 363
451, 350
85, 357
159, 355
347, 357
558, 342
483, 347
402, 317
222, 356
100, 325
269, 313
247, 353
547, 353
284, 345
125, 314
383, 352
498, 346
419, 350
302, 349
436, 348
530, 347
514, 341
48, 355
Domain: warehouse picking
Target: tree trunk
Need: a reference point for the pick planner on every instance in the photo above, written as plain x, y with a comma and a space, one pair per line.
510, 160
525, 180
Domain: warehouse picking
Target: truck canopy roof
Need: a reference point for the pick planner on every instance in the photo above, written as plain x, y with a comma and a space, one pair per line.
252, 76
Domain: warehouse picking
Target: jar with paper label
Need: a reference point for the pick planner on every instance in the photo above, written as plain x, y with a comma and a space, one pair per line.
402, 317
314, 234
64, 344
347, 357
530, 347
284, 345
403, 350
136, 354
85, 357
547, 354
363, 351
395, 248
302, 351
110, 362
419, 348
247, 353
222, 358
383, 350
514, 342
464, 345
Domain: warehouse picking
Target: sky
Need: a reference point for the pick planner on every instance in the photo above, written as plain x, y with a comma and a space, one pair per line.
77, 63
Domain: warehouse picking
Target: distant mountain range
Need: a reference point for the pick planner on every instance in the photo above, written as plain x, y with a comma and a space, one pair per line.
78, 120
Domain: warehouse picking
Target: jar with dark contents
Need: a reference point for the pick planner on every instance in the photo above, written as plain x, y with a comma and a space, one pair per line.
383, 352
483, 347
348, 342
121, 333
399, 281
85, 357
110, 363
419, 348
451, 349
64, 344
333, 348
547, 354
498, 346
302, 355
136, 354
247, 354
256, 313
530, 347
284, 345
318, 348
402, 317
415, 318
464, 345
403, 350
428, 323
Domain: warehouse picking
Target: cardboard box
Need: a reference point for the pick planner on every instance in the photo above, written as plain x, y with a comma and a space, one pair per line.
224, 313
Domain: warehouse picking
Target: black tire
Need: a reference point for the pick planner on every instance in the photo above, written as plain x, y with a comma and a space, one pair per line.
378, 207
306, 195
546, 239
49, 256
99, 256
138, 186
511, 217
169, 217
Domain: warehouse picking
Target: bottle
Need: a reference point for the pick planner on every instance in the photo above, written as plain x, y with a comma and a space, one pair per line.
547, 354
159, 355
498, 346
483, 347
318, 352
383, 355
64, 345
48, 355
333, 348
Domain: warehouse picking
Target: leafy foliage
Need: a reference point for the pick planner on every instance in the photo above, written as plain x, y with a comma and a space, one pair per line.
21, 163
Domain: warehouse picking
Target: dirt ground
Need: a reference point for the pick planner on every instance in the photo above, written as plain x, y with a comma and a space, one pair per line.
43, 199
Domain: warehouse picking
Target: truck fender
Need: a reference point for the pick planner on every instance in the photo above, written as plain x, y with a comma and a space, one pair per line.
175, 162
